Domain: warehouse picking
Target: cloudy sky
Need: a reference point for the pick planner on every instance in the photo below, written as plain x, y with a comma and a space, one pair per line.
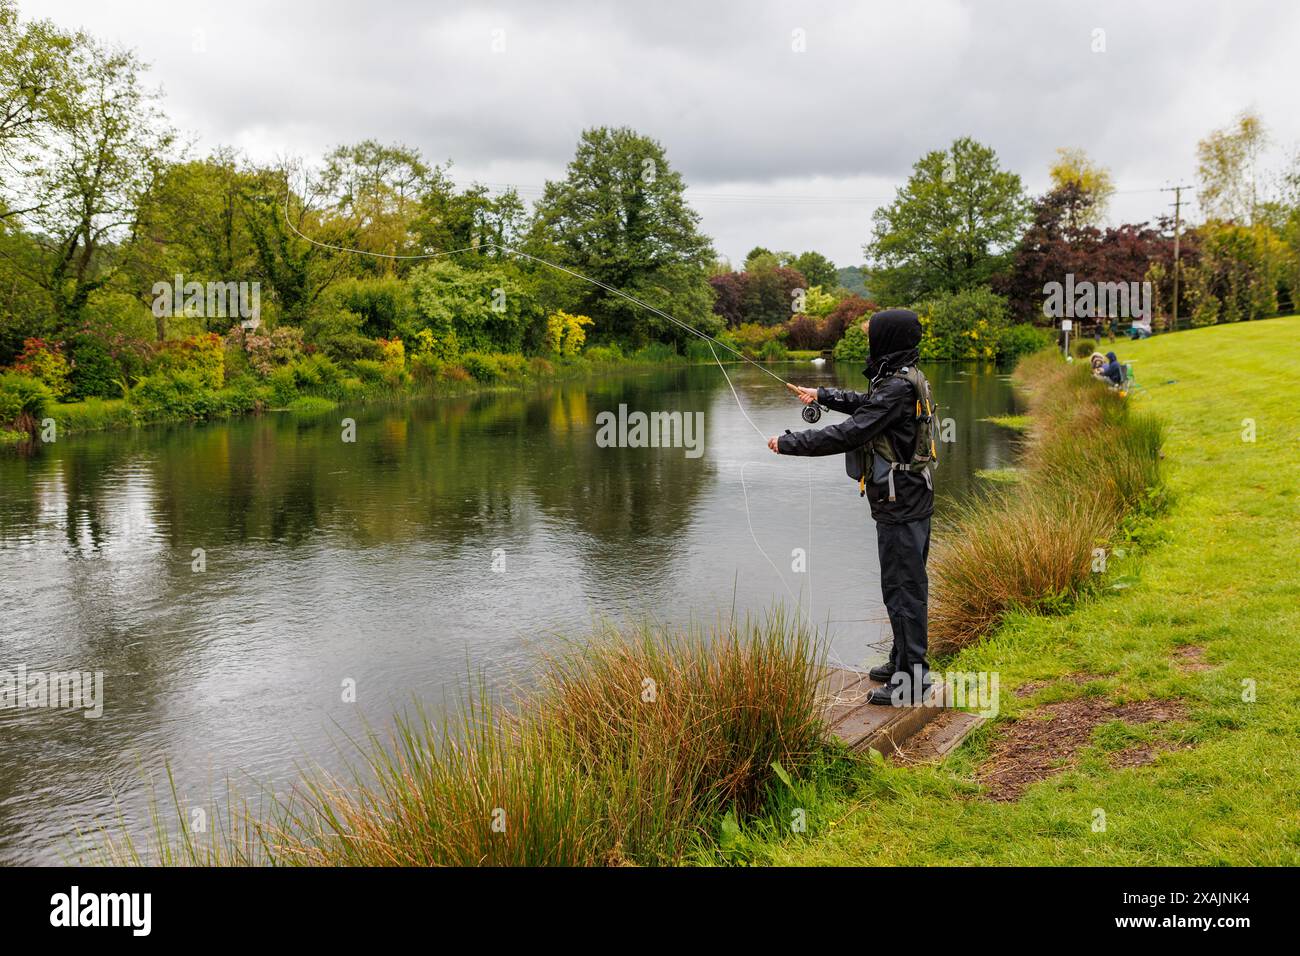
785, 147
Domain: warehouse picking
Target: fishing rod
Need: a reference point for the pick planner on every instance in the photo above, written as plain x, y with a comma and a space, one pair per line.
811, 412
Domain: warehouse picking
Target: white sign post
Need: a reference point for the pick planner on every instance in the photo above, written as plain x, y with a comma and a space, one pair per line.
1066, 326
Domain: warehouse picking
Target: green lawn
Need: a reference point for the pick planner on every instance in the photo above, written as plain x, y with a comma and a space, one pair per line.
1219, 571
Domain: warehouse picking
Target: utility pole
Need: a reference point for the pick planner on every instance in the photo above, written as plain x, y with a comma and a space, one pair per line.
1178, 223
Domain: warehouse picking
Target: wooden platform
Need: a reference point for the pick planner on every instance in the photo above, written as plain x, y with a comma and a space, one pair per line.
863, 726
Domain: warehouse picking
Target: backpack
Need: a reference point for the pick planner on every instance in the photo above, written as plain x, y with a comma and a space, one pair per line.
884, 460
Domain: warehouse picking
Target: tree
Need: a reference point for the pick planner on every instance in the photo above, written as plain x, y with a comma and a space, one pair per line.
35, 79
1228, 170
620, 217
1074, 168
950, 227
816, 268
103, 142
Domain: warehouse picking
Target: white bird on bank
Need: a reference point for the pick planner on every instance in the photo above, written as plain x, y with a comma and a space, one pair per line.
819, 361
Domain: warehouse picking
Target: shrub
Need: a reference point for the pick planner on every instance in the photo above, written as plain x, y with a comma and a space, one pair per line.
854, 347
455, 373
202, 354
282, 346
604, 354
348, 347
512, 366
483, 368
45, 360
369, 372
177, 393
565, 333
1082, 348
750, 337
284, 386
425, 367
539, 367
23, 400
655, 352
1022, 339
773, 351
962, 325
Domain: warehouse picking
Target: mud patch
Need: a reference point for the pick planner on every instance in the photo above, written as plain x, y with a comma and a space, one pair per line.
1047, 740
1191, 658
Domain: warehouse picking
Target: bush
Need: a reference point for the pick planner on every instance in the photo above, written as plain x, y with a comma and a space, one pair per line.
425, 367
512, 366
23, 400
203, 354
655, 352
962, 325
483, 368
455, 373
773, 351
1082, 348
46, 361
604, 354
348, 347
370, 372
1022, 339
540, 368
854, 347
178, 393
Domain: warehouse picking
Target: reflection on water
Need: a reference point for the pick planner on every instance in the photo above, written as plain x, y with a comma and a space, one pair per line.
327, 562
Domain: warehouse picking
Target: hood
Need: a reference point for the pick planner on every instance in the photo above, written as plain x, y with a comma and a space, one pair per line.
894, 336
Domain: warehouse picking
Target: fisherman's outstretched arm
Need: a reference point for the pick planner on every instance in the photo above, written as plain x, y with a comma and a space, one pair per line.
841, 399
883, 408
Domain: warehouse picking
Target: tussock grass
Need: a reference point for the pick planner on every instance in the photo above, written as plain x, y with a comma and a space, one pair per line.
1089, 464
628, 749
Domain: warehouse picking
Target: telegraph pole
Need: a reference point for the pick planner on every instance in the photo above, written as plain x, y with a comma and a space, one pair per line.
1178, 222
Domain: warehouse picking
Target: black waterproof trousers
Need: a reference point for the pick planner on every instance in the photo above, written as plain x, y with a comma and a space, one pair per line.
904, 549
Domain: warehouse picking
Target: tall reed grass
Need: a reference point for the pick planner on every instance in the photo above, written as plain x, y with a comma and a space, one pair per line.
1089, 463
627, 749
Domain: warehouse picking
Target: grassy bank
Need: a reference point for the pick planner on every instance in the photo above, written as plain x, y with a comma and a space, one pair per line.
626, 752
1186, 665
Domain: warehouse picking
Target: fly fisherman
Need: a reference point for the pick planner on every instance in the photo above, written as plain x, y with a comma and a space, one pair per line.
889, 450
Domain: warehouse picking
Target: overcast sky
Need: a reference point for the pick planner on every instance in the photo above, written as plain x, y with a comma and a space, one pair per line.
790, 150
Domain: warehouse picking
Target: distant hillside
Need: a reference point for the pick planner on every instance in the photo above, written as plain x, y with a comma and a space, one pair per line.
851, 277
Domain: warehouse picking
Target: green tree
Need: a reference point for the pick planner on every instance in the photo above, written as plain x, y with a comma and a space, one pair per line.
102, 143
620, 217
950, 227
1074, 167
1228, 170
816, 268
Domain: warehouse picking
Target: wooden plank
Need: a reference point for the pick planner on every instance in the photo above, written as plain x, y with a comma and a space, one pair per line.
873, 726
941, 736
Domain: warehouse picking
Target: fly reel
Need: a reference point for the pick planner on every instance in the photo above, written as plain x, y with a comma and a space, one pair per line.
812, 414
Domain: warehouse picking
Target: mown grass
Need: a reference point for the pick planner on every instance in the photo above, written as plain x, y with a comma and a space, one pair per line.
1216, 571
626, 752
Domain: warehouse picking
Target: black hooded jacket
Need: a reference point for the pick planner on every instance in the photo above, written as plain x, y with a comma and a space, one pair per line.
889, 408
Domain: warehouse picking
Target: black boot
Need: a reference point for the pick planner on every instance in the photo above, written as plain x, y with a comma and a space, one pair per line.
882, 672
